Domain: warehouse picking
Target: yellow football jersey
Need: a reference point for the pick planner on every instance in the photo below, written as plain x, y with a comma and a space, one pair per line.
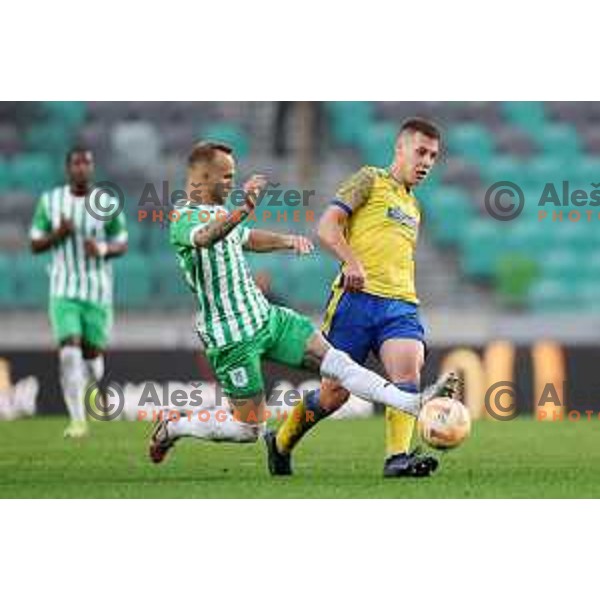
382, 231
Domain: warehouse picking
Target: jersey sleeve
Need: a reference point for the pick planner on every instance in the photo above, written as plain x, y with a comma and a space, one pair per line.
182, 231
355, 191
41, 224
116, 229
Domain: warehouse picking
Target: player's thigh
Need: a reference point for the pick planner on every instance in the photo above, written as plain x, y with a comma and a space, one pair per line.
289, 336
65, 320
97, 320
402, 359
252, 411
237, 368
346, 327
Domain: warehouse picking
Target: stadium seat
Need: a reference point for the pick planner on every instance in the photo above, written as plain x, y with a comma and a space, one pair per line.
559, 140
551, 295
133, 282
5, 175
8, 289
229, 133
472, 142
48, 137
504, 168
32, 281
69, 114
169, 288
529, 116
376, 143
349, 120
450, 211
481, 247
33, 172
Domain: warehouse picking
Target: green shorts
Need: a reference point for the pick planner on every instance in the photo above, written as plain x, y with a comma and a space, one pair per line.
89, 321
282, 338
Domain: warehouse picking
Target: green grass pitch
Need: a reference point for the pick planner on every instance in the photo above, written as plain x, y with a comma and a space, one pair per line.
341, 459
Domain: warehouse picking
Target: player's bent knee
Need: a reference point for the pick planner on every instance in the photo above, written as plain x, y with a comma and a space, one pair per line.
333, 396
248, 434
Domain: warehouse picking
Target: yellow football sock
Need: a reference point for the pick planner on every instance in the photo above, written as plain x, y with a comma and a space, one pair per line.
302, 419
399, 427
292, 429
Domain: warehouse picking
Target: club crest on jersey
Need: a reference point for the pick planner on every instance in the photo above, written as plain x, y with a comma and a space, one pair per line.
239, 377
397, 214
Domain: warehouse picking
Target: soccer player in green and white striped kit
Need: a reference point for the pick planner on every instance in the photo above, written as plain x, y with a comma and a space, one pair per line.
82, 242
236, 323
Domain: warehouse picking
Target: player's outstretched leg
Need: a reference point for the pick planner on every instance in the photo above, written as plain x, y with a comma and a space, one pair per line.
217, 425
337, 365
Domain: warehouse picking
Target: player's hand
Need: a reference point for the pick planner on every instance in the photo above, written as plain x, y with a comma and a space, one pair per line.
65, 229
300, 244
253, 187
354, 277
93, 249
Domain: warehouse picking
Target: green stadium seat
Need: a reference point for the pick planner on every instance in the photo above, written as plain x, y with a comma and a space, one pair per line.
169, 287
563, 264
8, 287
228, 133
71, 114
133, 282
32, 280
529, 116
551, 295
545, 169
349, 120
376, 143
584, 171
472, 142
504, 168
449, 212
33, 172
48, 137
559, 140
5, 175
481, 248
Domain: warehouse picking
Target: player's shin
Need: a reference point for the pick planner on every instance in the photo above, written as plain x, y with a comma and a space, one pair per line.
217, 425
399, 426
95, 367
73, 379
366, 384
301, 420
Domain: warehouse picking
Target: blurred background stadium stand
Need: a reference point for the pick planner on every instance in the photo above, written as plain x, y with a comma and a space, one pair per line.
478, 278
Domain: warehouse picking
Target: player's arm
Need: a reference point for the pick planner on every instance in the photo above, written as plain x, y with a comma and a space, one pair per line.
334, 222
116, 243
213, 232
42, 236
261, 240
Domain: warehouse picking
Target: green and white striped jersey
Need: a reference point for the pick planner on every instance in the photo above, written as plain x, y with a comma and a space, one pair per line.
72, 273
231, 308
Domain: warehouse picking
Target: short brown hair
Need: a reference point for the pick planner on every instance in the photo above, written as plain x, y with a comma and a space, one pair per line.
421, 125
206, 152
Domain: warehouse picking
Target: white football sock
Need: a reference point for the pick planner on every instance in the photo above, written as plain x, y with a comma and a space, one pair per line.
73, 376
217, 425
366, 384
95, 367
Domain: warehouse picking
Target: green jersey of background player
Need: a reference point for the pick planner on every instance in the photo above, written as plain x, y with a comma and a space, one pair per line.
236, 323
82, 240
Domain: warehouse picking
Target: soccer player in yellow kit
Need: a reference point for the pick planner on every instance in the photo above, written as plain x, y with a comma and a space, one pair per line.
372, 227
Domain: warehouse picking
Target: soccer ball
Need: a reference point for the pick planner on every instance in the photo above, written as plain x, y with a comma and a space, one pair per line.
444, 423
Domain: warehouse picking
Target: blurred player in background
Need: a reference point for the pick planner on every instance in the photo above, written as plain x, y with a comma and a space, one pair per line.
371, 228
235, 322
80, 278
